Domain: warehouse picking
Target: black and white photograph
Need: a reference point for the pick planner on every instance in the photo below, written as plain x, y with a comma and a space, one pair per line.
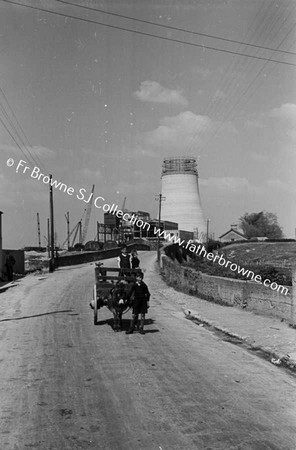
148, 224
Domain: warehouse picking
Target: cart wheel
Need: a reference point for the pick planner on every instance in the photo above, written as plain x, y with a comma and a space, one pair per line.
95, 305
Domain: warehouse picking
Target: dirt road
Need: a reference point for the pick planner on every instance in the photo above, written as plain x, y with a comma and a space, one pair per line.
67, 384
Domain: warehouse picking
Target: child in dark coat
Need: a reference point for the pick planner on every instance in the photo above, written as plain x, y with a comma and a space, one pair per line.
140, 303
135, 262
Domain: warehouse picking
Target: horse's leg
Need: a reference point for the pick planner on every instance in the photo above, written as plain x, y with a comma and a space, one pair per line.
120, 321
116, 324
113, 310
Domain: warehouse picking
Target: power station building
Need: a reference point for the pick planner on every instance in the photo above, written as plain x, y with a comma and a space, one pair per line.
180, 195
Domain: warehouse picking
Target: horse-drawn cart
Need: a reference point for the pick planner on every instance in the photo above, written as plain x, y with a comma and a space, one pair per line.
112, 289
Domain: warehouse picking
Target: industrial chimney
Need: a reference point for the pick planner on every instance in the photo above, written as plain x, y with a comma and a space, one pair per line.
179, 186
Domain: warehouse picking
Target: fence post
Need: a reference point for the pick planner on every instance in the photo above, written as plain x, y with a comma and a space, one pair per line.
293, 297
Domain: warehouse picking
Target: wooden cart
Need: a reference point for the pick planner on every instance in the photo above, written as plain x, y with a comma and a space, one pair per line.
106, 278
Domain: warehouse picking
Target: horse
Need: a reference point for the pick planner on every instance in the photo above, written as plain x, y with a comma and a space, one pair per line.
112, 295
118, 302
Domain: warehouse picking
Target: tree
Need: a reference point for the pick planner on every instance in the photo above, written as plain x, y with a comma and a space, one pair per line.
262, 224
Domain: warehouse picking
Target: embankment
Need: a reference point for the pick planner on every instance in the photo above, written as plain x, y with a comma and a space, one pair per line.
230, 292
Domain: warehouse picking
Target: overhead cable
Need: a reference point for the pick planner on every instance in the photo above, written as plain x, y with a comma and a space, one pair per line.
174, 28
142, 33
14, 132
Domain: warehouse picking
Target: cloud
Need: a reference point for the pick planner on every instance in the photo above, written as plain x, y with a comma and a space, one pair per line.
19, 188
151, 91
281, 186
274, 130
90, 174
285, 118
218, 95
35, 151
286, 112
203, 72
42, 151
259, 157
177, 132
253, 123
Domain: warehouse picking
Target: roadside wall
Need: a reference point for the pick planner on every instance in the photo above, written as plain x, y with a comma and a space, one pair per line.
84, 257
248, 295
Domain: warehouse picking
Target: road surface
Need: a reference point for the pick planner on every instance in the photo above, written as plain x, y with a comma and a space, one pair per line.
67, 384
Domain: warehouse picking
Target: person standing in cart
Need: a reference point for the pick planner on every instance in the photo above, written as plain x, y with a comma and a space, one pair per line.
134, 260
123, 261
140, 303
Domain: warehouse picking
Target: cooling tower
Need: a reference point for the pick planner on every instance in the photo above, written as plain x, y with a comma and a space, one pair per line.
179, 186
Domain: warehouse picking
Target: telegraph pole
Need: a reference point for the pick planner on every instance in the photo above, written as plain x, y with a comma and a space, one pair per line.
51, 262
38, 228
48, 239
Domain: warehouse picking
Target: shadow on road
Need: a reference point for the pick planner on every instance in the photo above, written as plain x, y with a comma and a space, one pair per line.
38, 315
102, 322
126, 324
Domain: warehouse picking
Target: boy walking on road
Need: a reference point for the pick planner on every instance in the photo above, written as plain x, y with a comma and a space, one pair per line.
140, 303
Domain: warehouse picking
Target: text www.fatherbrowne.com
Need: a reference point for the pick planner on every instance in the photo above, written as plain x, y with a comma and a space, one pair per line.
201, 251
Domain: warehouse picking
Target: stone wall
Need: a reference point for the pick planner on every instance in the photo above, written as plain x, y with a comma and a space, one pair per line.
84, 257
248, 295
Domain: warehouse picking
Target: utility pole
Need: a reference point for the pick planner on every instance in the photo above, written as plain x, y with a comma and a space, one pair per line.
48, 239
98, 232
38, 228
160, 198
51, 263
68, 229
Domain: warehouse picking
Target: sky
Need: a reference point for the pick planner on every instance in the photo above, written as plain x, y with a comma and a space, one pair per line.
101, 97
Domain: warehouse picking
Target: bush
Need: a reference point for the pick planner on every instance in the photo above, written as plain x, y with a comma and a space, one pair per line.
281, 240
213, 245
281, 276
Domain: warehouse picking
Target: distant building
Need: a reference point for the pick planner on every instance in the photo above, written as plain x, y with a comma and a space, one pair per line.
164, 225
232, 235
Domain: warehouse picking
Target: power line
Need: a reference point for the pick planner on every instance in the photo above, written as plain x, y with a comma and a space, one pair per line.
14, 128
175, 28
271, 27
7, 129
226, 84
252, 70
142, 33
243, 94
